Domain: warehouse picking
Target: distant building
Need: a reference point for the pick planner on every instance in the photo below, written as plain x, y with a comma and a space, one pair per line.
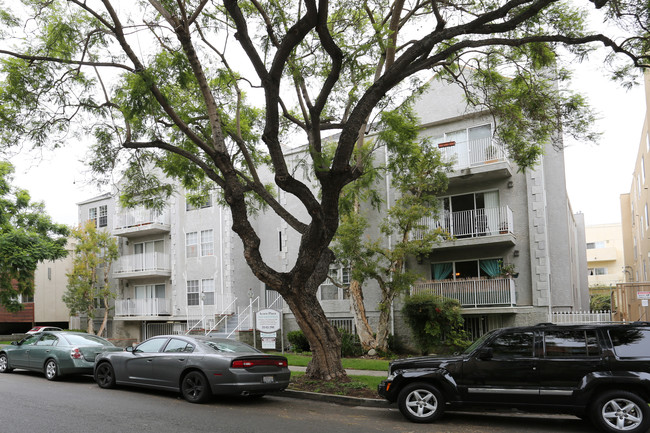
605, 256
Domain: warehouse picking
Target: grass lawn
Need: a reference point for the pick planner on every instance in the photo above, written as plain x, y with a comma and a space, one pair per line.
301, 360
356, 386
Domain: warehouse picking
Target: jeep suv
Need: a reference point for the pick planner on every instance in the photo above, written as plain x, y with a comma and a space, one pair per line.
601, 372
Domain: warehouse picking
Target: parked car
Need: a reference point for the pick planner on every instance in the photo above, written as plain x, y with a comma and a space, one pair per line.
194, 365
37, 329
601, 372
55, 353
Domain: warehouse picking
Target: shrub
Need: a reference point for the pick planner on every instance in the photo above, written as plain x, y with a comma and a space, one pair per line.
298, 341
350, 344
435, 321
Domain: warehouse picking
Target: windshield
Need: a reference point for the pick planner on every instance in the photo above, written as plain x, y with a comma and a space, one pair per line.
477, 343
228, 346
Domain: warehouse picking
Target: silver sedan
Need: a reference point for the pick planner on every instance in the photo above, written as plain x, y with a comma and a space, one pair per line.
196, 366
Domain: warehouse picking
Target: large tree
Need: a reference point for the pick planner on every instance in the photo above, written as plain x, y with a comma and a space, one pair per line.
166, 81
27, 237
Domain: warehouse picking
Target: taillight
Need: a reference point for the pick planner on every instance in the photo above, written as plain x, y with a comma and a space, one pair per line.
75, 353
247, 363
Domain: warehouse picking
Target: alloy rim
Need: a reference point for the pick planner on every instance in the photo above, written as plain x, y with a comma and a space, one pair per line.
421, 403
3, 363
104, 375
193, 387
622, 414
50, 369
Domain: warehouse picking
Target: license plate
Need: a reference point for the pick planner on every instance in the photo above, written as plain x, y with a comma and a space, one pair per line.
268, 379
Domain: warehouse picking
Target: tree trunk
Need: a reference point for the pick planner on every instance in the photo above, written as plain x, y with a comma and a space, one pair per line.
105, 320
383, 330
323, 338
91, 326
364, 330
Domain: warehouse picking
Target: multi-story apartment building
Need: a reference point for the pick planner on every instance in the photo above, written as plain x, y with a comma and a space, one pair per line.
183, 268
605, 261
632, 299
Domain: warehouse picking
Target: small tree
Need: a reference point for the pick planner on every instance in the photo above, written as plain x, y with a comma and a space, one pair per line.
435, 321
94, 254
27, 236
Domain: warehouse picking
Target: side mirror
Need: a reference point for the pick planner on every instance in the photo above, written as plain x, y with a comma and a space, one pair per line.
14, 343
485, 354
128, 349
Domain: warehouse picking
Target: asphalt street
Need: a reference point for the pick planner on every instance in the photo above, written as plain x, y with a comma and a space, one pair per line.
31, 404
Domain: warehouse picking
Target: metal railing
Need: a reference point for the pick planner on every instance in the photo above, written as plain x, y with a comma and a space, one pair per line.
142, 263
471, 153
471, 223
245, 316
580, 316
143, 307
140, 216
472, 292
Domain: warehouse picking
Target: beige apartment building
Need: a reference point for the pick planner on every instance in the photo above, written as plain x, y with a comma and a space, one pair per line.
635, 217
605, 261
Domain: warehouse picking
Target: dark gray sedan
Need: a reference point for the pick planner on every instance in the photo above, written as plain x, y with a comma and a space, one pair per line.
196, 366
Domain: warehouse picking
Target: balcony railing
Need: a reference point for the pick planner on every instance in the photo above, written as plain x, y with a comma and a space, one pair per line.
142, 263
471, 223
143, 307
473, 292
141, 221
472, 153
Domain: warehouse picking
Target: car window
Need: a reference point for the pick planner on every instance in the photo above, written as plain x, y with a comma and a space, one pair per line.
630, 342
151, 346
513, 345
85, 340
570, 343
228, 346
176, 345
47, 340
29, 341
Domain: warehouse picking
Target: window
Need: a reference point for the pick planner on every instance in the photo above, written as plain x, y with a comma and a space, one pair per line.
470, 269
207, 286
207, 242
647, 219
191, 244
596, 245
630, 342
151, 346
204, 203
92, 215
280, 241
642, 170
513, 345
193, 292
103, 216
570, 344
48, 340
176, 345
330, 290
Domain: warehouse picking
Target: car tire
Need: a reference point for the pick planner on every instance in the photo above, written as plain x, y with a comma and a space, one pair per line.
421, 402
621, 411
51, 369
195, 387
4, 364
105, 375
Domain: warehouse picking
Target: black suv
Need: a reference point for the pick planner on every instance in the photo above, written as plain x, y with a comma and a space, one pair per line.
601, 372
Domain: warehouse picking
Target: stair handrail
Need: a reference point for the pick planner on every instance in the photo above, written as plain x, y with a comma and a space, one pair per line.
249, 314
223, 316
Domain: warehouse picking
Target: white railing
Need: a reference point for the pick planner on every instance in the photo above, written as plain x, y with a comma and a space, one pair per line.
580, 316
140, 216
245, 315
142, 263
471, 223
473, 292
143, 307
274, 300
471, 153
204, 317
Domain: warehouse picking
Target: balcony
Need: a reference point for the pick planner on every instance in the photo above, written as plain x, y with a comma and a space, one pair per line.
141, 222
476, 160
472, 293
143, 307
475, 226
142, 266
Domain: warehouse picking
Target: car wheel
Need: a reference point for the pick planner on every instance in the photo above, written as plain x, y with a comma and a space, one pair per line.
4, 363
421, 402
621, 411
105, 375
51, 369
195, 388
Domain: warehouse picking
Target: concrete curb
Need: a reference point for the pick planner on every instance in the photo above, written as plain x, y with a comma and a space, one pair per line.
331, 398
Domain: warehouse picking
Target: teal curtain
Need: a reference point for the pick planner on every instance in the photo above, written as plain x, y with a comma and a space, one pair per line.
490, 267
440, 271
